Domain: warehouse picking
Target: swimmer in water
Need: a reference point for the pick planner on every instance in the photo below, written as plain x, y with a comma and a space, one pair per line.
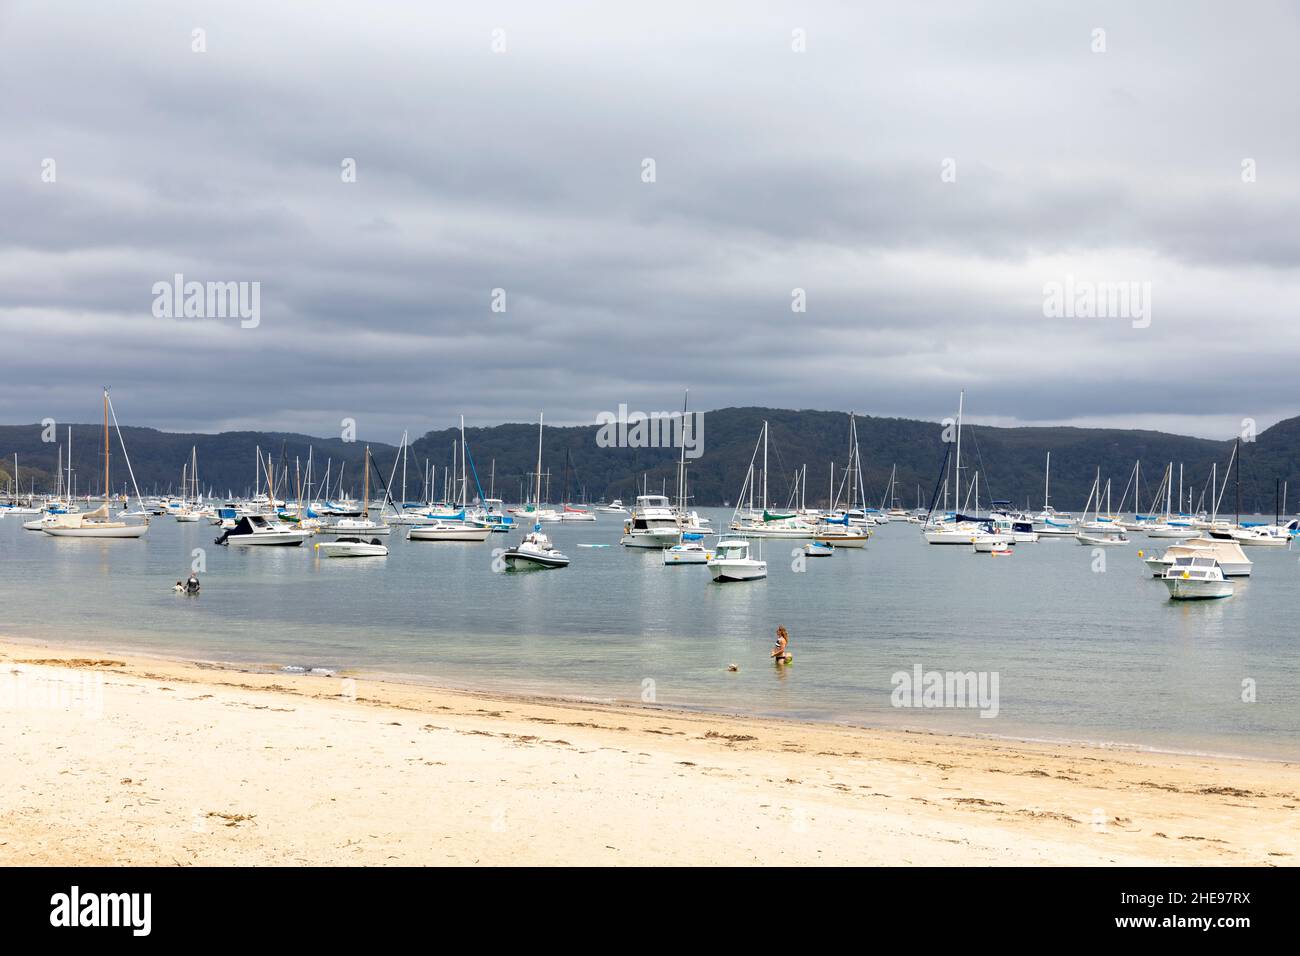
780, 654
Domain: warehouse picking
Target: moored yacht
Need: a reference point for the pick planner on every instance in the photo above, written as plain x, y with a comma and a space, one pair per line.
653, 524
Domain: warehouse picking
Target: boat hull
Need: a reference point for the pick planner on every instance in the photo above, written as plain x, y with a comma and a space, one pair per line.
351, 549
527, 561
448, 534
122, 531
732, 571
1182, 589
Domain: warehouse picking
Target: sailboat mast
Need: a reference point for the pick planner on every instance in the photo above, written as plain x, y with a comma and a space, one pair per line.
464, 479
540, 418
1047, 483
961, 401
108, 488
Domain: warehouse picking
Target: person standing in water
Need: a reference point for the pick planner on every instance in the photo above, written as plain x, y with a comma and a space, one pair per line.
780, 650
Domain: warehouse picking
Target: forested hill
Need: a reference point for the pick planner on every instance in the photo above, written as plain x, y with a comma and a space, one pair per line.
1010, 461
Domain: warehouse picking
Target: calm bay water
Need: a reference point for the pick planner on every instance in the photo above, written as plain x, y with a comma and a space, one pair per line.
1080, 655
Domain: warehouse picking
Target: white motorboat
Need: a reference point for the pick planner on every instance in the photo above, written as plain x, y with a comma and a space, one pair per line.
652, 524
688, 552
448, 531
1231, 559
991, 544
1257, 537
1103, 539
263, 530
731, 562
818, 549
1197, 577
535, 551
350, 547
615, 507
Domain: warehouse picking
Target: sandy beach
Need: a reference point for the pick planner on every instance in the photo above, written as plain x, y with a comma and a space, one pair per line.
119, 760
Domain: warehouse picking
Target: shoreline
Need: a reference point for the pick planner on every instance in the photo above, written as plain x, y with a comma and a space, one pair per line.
488, 690
192, 763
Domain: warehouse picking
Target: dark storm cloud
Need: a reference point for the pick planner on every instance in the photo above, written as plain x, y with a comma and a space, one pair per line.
521, 170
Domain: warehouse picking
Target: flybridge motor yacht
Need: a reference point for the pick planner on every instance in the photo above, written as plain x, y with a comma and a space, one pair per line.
262, 530
653, 524
1197, 577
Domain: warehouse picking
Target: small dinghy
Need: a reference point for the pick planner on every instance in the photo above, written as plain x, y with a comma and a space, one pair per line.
818, 549
1193, 578
350, 547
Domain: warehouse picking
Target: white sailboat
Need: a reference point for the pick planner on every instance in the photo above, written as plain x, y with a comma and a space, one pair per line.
98, 523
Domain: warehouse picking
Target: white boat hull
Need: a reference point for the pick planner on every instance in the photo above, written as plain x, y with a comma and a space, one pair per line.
651, 539
742, 570
1182, 589
93, 531
448, 534
281, 539
351, 549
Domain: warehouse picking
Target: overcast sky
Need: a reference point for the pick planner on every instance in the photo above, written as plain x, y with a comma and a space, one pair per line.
774, 170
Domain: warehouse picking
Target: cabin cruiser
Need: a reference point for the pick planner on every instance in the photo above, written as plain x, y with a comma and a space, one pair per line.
352, 547
534, 552
653, 524
1231, 559
615, 507
1196, 577
261, 530
731, 562
448, 531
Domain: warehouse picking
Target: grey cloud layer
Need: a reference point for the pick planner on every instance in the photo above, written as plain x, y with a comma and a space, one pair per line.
521, 170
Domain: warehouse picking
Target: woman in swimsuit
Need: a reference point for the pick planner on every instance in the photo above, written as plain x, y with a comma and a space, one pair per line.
779, 654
